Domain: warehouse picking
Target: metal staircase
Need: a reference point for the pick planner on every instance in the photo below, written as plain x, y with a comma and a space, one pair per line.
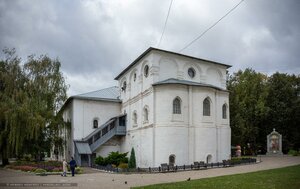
116, 126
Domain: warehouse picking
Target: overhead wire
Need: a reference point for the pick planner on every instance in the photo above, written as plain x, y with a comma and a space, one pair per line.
203, 33
165, 24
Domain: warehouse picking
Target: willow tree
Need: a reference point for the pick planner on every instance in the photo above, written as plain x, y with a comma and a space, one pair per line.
31, 95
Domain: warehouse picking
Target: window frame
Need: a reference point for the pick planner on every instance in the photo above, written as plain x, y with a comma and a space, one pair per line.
176, 105
224, 111
95, 120
206, 107
146, 71
193, 71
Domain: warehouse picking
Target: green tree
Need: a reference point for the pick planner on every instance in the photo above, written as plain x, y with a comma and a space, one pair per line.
248, 109
115, 158
30, 97
132, 161
284, 102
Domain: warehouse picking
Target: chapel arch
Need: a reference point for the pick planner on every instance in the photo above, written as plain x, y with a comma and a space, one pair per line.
209, 158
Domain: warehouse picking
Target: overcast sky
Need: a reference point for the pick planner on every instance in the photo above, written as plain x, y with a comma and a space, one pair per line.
96, 40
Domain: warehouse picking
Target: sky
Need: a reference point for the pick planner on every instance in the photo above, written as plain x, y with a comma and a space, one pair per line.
96, 39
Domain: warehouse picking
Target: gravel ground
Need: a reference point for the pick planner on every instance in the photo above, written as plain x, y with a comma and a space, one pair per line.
95, 179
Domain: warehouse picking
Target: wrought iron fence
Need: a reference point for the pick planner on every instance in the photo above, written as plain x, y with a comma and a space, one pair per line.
168, 168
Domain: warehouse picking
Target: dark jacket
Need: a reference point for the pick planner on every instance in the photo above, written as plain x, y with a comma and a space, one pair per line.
73, 163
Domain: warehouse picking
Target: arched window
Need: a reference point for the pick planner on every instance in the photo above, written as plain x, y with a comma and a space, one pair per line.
95, 123
209, 159
124, 85
146, 71
134, 117
176, 106
146, 114
224, 111
206, 107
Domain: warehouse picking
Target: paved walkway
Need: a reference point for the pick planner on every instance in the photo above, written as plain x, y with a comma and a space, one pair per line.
107, 180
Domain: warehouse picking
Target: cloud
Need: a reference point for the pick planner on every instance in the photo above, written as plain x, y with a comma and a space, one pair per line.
96, 39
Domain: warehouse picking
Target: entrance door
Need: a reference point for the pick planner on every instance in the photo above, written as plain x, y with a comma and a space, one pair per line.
84, 160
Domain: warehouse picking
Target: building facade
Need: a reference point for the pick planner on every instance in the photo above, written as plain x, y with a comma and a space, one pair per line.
171, 108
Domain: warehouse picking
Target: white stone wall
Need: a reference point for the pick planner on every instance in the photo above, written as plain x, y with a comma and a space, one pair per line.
85, 111
189, 136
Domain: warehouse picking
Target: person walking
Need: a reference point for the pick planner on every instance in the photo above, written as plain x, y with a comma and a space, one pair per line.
65, 164
72, 166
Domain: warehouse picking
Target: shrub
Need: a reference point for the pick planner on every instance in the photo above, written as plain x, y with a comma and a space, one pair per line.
116, 158
100, 161
132, 161
40, 171
123, 165
78, 170
293, 152
56, 169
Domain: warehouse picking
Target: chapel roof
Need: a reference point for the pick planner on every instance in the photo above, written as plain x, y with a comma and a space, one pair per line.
165, 51
108, 94
186, 82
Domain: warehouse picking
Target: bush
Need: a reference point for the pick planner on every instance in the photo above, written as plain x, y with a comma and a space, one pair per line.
100, 161
293, 153
123, 165
40, 171
132, 161
78, 170
116, 158
56, 169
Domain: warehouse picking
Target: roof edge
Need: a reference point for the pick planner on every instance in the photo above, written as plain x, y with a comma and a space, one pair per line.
191, 83
165, 51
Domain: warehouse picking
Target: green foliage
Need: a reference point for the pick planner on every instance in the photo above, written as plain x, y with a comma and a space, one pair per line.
287, 177
114, 158
132, 161
78, 170
31, 94
123, 165
100, 161
40, 171
293, 153
258, 104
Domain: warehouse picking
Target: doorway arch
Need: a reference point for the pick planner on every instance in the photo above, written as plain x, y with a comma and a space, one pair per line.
209, 158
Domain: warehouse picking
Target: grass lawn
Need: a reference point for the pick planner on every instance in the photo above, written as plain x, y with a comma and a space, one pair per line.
288, 177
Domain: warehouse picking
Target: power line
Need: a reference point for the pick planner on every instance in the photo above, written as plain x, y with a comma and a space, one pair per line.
165, 23
211, 26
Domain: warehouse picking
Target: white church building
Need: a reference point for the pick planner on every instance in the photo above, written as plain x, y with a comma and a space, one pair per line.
171, 108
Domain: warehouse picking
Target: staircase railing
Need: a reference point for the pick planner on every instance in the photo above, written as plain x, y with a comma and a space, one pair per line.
114, 127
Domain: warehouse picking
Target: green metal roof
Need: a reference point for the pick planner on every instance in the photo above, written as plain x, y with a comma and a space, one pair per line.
170, 52
185, 82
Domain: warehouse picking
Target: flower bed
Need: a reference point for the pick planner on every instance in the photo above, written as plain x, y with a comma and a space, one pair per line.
48, 166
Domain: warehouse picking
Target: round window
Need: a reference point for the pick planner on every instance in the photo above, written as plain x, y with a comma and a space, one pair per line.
191, 72
146, 71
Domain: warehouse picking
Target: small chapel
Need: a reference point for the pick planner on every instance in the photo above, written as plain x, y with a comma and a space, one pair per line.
170, 107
